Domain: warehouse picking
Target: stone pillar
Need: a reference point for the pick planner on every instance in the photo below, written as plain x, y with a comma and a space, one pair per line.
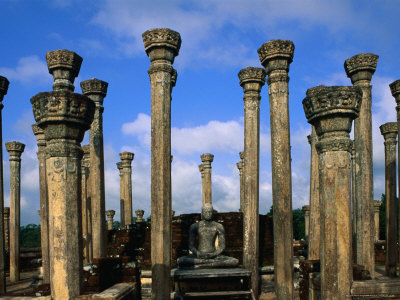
389, 132
44, 211
201, 169
7, 228
353, 196
240, 166
376, 204
121, 194
395, 89
207, 159
306, 209
110, 219
251, 80
126, 184
86, 206
314, 236
3, 91
276, 56
360, 69
96, 90
331, 110
139, 215
162, 46
64, 116
15, 150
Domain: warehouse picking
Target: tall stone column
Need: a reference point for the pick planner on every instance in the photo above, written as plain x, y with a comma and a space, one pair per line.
162, 46
15, 150
395, 89
7, 228
331, 110
126, 179
64, 116
353, 196
276, 56
86, 206
121, 194
44, 211
360, 69
3, 91
389, 132
110, 219
251, 80
240, 166
306, 209
207, 159
315, 215
376, 205
96, 90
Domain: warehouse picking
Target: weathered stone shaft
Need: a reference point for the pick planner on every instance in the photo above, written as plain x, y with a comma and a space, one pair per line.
3, 91
161, 45
86, 206
44, 207
314, 237
7, 228
331, 110
276, 56
121, 194
15, 150
126, 185
207, 159
110, 219
240, 166
306, 209
251, 80
376, 205
389, 132
360, 69
96, 90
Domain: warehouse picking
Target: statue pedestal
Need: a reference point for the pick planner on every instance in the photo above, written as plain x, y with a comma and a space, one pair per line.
230, 283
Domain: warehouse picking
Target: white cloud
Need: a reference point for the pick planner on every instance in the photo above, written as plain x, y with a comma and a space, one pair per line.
29, 70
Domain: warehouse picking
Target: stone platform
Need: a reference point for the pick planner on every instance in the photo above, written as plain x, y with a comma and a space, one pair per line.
227, 283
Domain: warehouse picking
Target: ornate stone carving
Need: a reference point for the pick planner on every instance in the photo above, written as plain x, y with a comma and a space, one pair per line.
364, 62
161, 37
387, 128
276, 49
64, 59
395, 89
3, 87
251, 74
207, 158
126, 156
15, 150
94, 86
322, 100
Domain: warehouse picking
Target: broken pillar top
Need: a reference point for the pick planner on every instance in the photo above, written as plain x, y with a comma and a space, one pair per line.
239, 165
162, 44
119, 165
361, 66
305, 208
4, 83
110, 213
128, 156
331, 110
241, 155
94, 86
276, 55
207, 158
15, 150
376, 204
395, 89
64, 65
252, 79
389, 130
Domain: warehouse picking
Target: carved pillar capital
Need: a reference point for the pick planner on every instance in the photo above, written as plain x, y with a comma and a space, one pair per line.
15, 150
201, 169
95, 89
361, 67
207, 159
306, 209
64, 65
139, 215
331, 110
119, 166
110, 213
3, 88
240, 167
389, 132
395, 89
126, 159
161, 44
252, 79
276, 55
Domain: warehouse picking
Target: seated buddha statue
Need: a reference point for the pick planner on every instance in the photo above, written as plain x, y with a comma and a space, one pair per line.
207, 255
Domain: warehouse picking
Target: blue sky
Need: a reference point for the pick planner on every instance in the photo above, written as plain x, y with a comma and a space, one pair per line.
219, 38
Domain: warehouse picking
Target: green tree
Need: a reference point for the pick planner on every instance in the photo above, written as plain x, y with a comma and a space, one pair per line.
29, 236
